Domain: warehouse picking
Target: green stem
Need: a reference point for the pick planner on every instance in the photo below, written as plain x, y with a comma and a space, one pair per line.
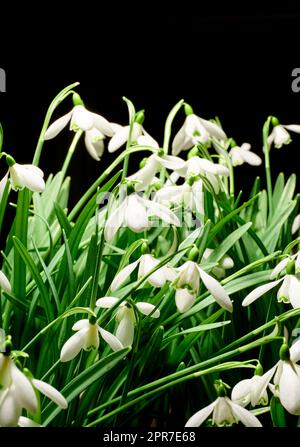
70, 152
266, 149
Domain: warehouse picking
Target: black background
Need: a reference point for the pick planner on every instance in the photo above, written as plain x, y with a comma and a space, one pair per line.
227, 62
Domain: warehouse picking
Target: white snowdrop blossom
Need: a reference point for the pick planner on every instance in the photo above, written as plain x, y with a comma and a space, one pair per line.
253, 390
145, 264
17, 391
23, 176
225, 412
145, 176
242, 154
196, 130
87, 338
4, 283
225, 263
138, 135
280, 135
289, 292
201, 166
134, 213
126, 318
187, 285
95, 126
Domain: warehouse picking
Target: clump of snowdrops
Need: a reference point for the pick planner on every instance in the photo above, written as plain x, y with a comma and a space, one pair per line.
163, 296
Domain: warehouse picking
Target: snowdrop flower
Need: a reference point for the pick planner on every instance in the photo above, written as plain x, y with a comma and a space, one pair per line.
225, 412
95, 127
187, 285
189, 195
252, 390
201, 166
125, 316
4, 283
134, 213
87, 338
146, 263
21, 176
242, 154
195, 130
145, 176
289, 291
280, 135
225, 263
17, 391
296, 224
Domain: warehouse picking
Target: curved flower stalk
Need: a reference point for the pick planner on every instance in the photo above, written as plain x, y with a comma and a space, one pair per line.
134, 213
225, 412
187, 285
125, 316
87, 338
289, 292
201, 166
225, 263
242, 154
280, 135
195, 130
145, 264
18, 391
95, 126
145, 176
4, 283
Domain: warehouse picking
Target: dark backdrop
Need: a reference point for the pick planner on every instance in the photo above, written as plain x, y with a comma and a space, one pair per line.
229, 63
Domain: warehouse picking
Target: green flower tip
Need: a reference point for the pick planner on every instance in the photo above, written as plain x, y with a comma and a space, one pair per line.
291, 267
145, 248
8, 345
274, 121
259, 370
192, 179
193, 254
143, 162
130, 187
220, 387
77, 101
193, 152
10, 160
284, 352
233, 143
188, 109
140, 117
92, 319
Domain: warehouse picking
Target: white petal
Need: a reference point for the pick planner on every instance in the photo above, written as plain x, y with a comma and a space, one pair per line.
51, 393
2, 185
73, 346
119, 138
246, 147
251, 158
115, 221
82, 119
125, 330
24, 390
179, 140
10, 409
236, 156
259, 291
4, 283
294, 291
162, 212
103, 125
241, 392
295, 351
123, 275
26, 422
293, 127
80, 324
145, 175
26, 175
198, 418
147, 309
279, 267
94, 143
216, 290
147, 140
171, 162
111, 340
136, 214
148, 263
184, 300
289, 388
243, 415
214, 130
295, 226
281, 136
91, 340
106, 302
261, 385
57, 126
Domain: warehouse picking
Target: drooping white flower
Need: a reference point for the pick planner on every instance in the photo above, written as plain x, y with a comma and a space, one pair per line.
95, 126
21, 176
188, 195
145, 263
242, 154
201, 166
134, 213
225, 263
17, 391
225, 413
289, 292
125, 316
138, 135
280, 135
87, 338
252, 390
4, 283
145, 176
187, 285
195, 130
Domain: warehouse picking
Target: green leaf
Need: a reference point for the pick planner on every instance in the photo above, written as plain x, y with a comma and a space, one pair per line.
277, 413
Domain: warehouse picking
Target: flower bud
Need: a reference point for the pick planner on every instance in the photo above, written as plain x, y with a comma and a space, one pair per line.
284, 352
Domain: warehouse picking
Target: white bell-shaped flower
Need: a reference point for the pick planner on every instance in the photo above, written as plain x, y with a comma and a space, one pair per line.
87, 338
280, 135
225, 263
189, 196
253, 390
125, 316
21, 176
242, 154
